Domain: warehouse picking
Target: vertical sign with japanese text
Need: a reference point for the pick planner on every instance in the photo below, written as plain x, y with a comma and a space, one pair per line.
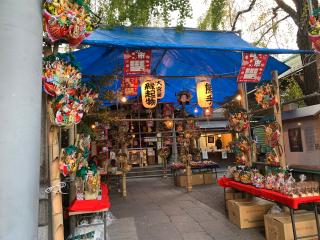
252, 67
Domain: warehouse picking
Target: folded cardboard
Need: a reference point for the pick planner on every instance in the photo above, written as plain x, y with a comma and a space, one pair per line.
231, 194
248, 213
279, 226
197, 179
209, 178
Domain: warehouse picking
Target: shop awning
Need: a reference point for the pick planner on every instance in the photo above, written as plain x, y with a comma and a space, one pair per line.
212, 124
177, 57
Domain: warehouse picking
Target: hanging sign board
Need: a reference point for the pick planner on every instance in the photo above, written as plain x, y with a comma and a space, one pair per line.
137, 62
129, 86
160, 88
252, 67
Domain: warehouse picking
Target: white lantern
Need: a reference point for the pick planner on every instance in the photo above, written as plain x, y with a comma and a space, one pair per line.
160, 88
204, 93
149, 94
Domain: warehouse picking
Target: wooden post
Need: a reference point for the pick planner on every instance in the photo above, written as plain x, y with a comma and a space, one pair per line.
244, 104
56, 197
189, 178
277, 114
124, 185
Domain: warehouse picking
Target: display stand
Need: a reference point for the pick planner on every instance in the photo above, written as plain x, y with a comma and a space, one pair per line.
291, 203
82, 207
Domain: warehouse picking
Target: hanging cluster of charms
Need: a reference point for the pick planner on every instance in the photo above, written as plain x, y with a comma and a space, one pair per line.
67, 19
238, 121
314, 32
71, 99
273, 133
265, 96
241, 148
74, 163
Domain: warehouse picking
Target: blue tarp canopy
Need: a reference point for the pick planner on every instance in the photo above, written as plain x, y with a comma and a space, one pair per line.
176, 57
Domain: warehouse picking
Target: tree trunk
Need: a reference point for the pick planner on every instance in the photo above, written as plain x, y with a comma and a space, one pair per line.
309, 82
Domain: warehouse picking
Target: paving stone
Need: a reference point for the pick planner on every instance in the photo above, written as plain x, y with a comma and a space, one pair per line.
197, 236
157, 210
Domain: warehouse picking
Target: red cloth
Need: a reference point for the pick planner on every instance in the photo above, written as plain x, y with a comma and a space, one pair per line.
92, 205
267, 194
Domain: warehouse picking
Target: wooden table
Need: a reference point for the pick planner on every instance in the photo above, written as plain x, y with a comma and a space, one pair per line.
118, 175
270, 195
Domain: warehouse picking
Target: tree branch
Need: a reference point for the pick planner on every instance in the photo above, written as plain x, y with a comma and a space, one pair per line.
270, 28
242, 12
285, 7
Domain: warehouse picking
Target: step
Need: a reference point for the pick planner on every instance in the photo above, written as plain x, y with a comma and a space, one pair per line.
147, 168
149, 176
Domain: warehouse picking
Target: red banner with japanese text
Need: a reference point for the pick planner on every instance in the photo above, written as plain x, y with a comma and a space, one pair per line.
252, 67
129, 86
137, 62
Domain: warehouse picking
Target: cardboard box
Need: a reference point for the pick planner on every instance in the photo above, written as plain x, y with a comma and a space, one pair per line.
209, 178
279, 226
231, 194
181, 180
248, 213
197, 179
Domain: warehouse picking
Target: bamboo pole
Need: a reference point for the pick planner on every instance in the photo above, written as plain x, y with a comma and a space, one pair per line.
244, 104
124, 185
277, 114
56, 197
189, 178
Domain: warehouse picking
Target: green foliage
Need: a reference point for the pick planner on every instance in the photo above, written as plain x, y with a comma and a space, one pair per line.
141, 12
214, 15
290, 90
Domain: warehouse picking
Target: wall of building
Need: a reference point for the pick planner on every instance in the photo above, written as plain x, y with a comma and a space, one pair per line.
310, 136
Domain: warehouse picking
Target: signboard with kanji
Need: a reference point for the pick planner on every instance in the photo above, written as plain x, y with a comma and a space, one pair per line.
137, 62
252, 67
129, 86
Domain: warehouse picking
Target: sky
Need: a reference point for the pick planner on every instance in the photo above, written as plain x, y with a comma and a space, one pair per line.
287, 29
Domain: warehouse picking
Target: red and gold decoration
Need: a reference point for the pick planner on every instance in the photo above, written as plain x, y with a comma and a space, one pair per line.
137, 62
241, 148
265, 96
71, 99
149, 94
59, 77
204, 93
314, 32
272, 131
273, 134
252, 67
129, 86
67, 19
239, 121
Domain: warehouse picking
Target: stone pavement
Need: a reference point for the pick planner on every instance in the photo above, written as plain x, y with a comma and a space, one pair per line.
157, 210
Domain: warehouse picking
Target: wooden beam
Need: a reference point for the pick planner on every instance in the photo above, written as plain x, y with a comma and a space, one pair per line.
277, 114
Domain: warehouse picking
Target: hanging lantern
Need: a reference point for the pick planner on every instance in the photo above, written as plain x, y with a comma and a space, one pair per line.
204, 93
161, 86
149, 94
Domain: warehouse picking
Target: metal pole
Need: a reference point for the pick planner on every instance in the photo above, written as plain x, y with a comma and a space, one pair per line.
20, 107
